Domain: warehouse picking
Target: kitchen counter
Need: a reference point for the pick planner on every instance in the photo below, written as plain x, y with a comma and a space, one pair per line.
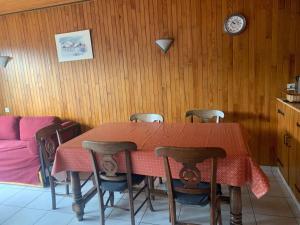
295, 106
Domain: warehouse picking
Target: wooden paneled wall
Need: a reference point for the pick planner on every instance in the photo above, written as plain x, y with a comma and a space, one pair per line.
205, 68
12, 6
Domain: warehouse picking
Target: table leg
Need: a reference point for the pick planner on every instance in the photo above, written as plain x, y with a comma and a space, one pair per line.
235, 206
78, 204
151, 186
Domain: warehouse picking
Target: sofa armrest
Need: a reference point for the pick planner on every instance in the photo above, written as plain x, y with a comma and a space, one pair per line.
32, 146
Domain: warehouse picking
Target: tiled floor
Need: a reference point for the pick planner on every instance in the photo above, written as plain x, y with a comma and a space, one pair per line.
28, 205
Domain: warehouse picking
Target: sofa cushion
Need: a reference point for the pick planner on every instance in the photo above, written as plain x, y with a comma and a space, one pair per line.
9, 128
8, 145
30, 125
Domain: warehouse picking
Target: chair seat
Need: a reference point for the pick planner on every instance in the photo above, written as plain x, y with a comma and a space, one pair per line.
194, 199
120, 185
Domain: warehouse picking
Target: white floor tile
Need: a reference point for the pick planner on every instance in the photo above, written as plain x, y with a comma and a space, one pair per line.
92, 208
192, 214
161, 214
86, 221
33, 188
246, 203
118, 222
273, 209
65, 205
248, 218
7, 192
276, 174
2, 185
160, 217
54, 218
274, 220
25, 217
7, 211
273, 206
201, 215
22, 198
267, 170
277, 189
120, 214
141, 197
43, 202
87, 186
61, 189
294, 208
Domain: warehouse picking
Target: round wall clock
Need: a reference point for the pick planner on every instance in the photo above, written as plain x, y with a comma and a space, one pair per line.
235, 24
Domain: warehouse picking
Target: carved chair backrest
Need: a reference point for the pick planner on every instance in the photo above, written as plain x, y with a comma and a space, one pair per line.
190, 175
48, 139
147, 117
106, 151
205, 115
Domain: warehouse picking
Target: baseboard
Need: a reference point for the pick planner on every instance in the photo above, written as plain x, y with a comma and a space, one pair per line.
22, 184
288, 188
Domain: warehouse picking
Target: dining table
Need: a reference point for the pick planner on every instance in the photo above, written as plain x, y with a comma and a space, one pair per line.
236, 170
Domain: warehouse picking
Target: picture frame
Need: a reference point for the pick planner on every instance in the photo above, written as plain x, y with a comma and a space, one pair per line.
74, 46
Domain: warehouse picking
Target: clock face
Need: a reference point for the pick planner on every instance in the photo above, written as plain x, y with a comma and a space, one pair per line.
235, 24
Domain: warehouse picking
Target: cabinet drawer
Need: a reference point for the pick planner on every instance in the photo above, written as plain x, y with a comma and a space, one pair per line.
280, 111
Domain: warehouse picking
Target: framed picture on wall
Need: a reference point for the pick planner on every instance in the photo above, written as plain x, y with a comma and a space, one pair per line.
74, 46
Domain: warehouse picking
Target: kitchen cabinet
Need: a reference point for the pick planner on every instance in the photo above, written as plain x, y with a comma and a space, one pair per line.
297, 161
282, 157
288, 143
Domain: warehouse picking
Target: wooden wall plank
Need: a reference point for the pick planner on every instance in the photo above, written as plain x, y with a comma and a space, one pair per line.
205, 68
14, 6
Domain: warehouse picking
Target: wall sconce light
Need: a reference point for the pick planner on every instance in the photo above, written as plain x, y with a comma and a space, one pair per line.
164, 43
4, 60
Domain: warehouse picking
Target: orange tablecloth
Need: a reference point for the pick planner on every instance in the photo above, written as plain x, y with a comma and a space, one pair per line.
237, 169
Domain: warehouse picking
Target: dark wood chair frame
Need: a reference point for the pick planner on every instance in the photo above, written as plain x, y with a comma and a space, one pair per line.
190, 176
108, 171
48, 139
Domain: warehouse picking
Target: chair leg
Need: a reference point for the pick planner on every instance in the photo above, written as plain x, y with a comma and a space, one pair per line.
160, 180
67, 185
169, 213
147, 190
131, 204
213, 218
52, 187
67, 189
111, 198
172, 206
219, 213
101, 207
151, 186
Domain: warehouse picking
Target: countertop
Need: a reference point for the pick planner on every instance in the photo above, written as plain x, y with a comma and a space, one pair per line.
295, 106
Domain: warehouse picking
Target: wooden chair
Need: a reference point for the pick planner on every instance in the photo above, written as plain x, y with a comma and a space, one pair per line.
189, 189
48, 139
147, 117
107, 177
205, 115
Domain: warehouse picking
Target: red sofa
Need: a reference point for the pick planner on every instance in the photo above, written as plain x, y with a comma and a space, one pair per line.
19, 155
